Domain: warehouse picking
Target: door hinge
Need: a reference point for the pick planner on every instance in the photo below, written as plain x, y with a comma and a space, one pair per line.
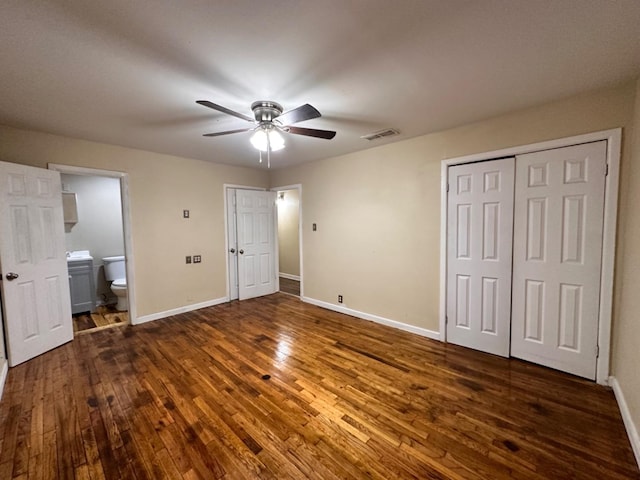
606, 170
446, 320
447, 188
597, 351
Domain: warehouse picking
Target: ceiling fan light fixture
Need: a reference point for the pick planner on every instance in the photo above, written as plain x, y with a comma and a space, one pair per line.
269, 121
267, 139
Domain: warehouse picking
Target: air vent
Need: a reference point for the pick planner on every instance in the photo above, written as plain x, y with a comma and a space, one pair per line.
389, 132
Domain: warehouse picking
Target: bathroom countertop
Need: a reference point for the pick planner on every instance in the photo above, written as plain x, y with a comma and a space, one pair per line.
78, 256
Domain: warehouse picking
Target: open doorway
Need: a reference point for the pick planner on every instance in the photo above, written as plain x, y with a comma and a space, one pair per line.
98, 257
289, 239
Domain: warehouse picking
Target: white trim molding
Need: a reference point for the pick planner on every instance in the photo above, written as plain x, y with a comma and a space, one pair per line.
423, 332
632, 429
613, 138
289, 276
176, 311
3, 375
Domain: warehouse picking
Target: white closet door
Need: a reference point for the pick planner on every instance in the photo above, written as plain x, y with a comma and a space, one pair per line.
557, 257
232, 243
256, 243
479, 229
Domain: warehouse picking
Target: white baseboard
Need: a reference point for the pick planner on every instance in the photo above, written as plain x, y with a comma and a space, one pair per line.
632, 430
374, 318
3, 375
289, 276
176, 311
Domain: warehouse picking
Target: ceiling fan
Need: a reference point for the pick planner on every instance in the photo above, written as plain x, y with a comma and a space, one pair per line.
269, 120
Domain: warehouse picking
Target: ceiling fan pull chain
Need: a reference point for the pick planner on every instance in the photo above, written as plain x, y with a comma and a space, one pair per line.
268, 151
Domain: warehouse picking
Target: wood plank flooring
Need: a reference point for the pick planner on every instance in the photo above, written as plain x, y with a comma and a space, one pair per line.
289, 286
105, 316
185, 398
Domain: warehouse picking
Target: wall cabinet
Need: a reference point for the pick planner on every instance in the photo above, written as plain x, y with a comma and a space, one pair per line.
69, 208
82, 286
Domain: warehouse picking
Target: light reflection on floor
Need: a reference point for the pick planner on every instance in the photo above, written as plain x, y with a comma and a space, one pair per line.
283, 350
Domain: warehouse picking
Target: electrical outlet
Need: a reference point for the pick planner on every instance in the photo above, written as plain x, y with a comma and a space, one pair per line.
339, 298
188, 258
185, 213
197, 258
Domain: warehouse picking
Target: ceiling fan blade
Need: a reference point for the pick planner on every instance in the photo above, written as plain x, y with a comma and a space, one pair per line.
311, 132
206, 103
300, 114
228, 132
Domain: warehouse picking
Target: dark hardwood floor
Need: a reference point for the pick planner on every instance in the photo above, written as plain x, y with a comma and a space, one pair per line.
289, 286
185, 398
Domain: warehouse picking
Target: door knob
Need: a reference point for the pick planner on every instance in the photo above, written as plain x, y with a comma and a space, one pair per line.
233, 250
240, 251
11, 276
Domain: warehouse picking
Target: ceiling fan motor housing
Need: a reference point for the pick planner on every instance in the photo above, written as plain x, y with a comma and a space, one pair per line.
266, 111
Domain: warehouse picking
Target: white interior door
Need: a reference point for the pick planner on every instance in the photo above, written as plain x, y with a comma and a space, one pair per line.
35, 284
479, 229
557, 257
232, 244
256, 243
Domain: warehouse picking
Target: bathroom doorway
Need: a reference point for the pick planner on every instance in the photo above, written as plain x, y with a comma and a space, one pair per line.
288, 207
97, 238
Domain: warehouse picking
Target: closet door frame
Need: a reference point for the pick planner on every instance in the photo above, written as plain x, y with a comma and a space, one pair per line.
613, 138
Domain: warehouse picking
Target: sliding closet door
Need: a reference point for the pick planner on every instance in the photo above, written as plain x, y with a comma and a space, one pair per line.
557, 257
479, 229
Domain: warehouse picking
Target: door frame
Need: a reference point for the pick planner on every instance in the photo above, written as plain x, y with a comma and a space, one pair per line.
612, 180
225, 189
298, 187
126, 223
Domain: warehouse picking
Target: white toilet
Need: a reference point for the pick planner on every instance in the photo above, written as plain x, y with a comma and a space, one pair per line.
115, 272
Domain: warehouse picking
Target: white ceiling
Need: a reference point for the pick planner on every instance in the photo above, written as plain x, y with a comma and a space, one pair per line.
129, 72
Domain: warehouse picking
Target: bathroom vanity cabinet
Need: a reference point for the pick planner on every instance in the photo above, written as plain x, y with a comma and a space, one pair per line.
82, 286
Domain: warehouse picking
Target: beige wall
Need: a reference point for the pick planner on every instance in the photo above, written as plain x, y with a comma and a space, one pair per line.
288, 233
626, 351
378, 210
161, 186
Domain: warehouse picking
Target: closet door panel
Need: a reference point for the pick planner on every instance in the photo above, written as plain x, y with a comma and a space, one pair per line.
480, 229
558, 221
